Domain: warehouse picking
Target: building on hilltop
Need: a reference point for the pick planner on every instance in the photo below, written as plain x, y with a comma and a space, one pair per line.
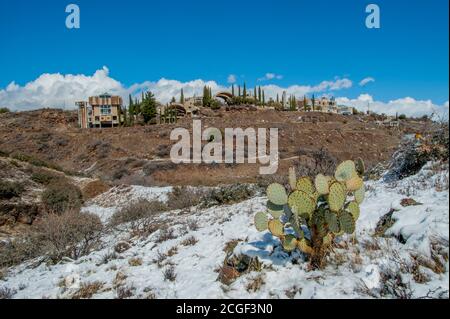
100, 111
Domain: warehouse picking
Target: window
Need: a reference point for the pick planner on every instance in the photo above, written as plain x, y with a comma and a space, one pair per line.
105, 110
114, 118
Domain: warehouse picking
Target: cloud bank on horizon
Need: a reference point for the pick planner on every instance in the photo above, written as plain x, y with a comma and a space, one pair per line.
61, 91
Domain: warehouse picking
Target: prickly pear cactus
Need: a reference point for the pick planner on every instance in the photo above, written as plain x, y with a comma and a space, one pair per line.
314, 212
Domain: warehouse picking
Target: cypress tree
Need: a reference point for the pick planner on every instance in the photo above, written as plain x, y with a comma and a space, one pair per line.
259, 94
254, 93
239, 90
232, 89
245, 90
182, 97
263, 98
148, 107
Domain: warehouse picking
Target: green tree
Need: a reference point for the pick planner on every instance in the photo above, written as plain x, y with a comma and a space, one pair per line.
239, 90
259, 94
232, 90
182, 97
254, 93
148, 107
263, 98
245, 90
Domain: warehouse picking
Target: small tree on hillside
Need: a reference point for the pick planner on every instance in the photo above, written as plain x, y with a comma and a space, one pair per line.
148, 107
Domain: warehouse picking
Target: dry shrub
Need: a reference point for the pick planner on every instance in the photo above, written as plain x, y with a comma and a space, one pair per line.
227, 195
62, 196
255, 284
135, 262
41, 176
72, 234
87, 290
190, 241
93, 189
165, 234
169, 273
6, 293
9, 190
138, 212
184, 197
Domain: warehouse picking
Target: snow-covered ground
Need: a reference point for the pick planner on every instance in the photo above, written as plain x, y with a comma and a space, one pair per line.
413, 263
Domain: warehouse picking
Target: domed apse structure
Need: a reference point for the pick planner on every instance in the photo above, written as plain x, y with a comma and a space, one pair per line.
226, 96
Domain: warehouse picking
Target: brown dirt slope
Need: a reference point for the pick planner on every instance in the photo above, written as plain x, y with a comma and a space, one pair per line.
140, 155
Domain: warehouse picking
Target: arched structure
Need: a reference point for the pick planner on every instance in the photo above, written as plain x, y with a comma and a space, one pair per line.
226, 96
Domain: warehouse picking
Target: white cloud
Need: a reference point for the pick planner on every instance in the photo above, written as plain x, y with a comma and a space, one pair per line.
61, 91
270, 76
231, 79
366, 81
407, 106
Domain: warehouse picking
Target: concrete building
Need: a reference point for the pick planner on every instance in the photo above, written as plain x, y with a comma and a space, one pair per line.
322, 104
100, 111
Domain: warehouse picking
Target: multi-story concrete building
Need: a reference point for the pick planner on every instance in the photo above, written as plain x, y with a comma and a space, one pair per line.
322, 104
100, 111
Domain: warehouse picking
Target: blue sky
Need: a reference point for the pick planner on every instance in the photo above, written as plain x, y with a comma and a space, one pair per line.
306, 42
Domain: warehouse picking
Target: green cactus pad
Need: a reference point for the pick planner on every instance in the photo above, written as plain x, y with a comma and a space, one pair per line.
332, 222
304, 246
360, 166
305, 184
261, 221
347, 223
321, 184
301, 203
353, 209
289, 243
354, 183
345, 171
292, 178
276, 228
276, 193
337, 196
360, 194
275, 210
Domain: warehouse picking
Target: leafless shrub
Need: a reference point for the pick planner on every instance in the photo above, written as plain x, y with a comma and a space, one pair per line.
125, 292
106, 258
190, 241
169, 273
6, 293
320, 161
184, 197
255, 284
137, 212
193, 224
165, 234
72, 234
135, 262
227, 195
87, 290
160, 258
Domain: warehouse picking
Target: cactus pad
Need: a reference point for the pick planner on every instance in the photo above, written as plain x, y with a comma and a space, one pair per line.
353, 209
292, 178
337, 197
321, 183
347, 223
276, 228
354, 183
360, 194
305, 184
360, 166
304, 246
345, 171
261, 221
301, 203
289, 243
277, 194
275, 210
332, 221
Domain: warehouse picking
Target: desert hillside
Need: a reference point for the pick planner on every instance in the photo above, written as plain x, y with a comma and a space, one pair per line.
140, 155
